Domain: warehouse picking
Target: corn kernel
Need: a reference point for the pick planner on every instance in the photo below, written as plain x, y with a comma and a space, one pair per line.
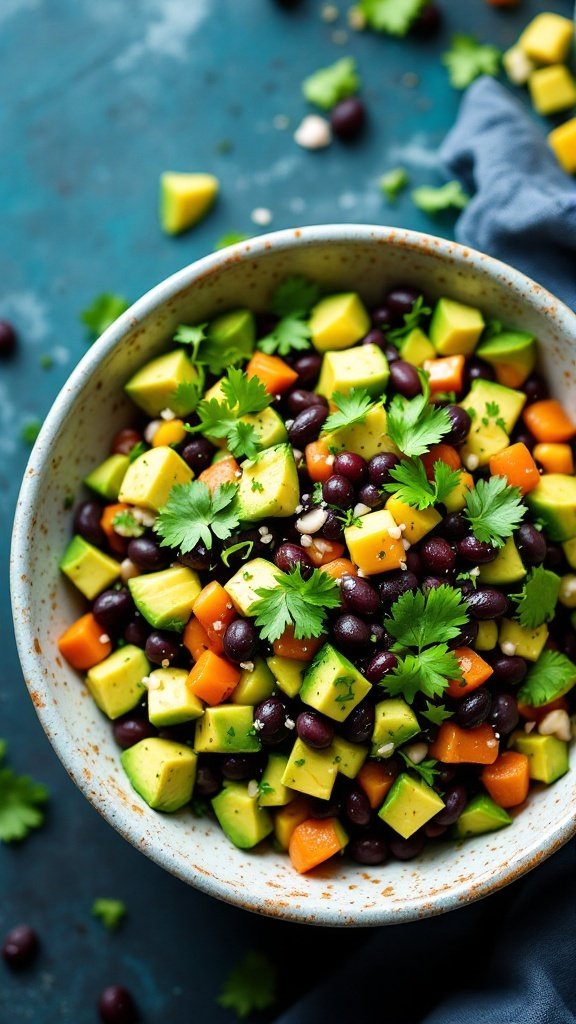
547, 38
563, 142
518, 65
168, 433
552, 89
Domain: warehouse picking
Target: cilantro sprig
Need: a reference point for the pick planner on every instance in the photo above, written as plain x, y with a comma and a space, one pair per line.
352, 409
467, 59
251, 985
435, 199
550, 677
536, 603
22, 800
295, 601
494, 510
411, 485
126, 525
427, 769
327, 86
436, 713
413, 319
102, 312
208, 351
192, 514
414, 425
242, 396
395, 17
291, 302
109, 911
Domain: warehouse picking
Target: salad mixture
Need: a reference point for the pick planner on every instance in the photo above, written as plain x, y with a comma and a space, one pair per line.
331, 568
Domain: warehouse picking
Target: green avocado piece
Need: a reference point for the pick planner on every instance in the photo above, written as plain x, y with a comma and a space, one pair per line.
512, 354
272, 791
394, 724
151, 477
333, 685
416, 347
548, 756
455, 328
569, 547
365, 367
507, 567
288, 673
165, 598
487, 636
240, 817
269, 485
554, 502
234, 330
116, 684
368, 438
255, 684
481, 815
494, 410
153, 387
310, 771
348, 757
88, 568
184, 199
527, 643
170, 701
338, 321
409, 804
162, 772
268, 426
107, 478
227, 729
252, 576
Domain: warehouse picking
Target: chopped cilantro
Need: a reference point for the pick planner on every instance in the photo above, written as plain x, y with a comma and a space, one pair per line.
21, 803
102, 312
413, 319
290, 334
393, 182
300, 762
125, 524
327, 86
450, 196
494, 510
137, 450
242, 396
46, 361
30, 431
411, 485
186, 396
395, 17
234, 549
467, 59
436, 713
414, 425
207, 352
429, 672
427, 770
295, 296
232, 238
193, 514
110, 912
257, 486
264, 789
352, 409
550, 677
537, 602
295, 601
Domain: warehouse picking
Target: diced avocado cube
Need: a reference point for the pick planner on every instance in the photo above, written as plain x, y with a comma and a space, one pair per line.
338, 321
554, 502
547, 38
569, 547
227, 729
89, 569
494, 410
272, 792
153, 387
255, 684
417, 523
512, 354
269, 486
394, 724
365, 367
455, 328
333, 685
170, 701
527, 643
268, 426
107, 478
185, 199
455, 501
481, 815
547, 755
288, 674
162, 772
373, 544
409, 804
116, 684
240, 817
562, 140
234, 330
366, 439
487, 636
310, 771
255, 575
151, 477
348, 757
416, 347
507, 567
165, 598
287, 818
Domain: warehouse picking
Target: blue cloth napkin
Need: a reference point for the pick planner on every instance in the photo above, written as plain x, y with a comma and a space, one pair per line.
510, 959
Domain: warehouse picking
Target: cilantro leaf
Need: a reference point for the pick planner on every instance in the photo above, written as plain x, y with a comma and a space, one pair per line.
193, 514
206, 351
251, 985
193, 336
234, 549
412, 320
294, 601
137, 450
467, 59
232, 238
294, 297
411, 484
30, 431
327, 86
245, 395
21, 800
427, 770
419, 619
431, 199
393, 16
393, 182
494, 510
125, 524
102, 312
186, 396
537, 602
352, 408
427, 672
436, 713
550, 677
290, 334
414, 425
110, 912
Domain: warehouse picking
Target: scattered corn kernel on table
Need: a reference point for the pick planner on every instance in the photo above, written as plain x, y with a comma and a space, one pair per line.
104, 98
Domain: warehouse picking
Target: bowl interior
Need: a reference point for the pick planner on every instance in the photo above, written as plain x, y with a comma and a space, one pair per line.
76, 436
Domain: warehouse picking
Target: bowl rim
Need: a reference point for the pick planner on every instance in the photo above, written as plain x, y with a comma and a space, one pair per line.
534, 294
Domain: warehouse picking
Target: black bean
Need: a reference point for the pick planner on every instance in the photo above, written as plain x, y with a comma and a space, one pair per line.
476, 551
162, 647
308, 369
479, 370
208, 780
404, 378
391, 353
337, 490
396, 583
147, 554
567, 643
359, 596
200, 558
323, 808
352, 466
307, 425
137, 632
434, 831
531, 544
124, 441
461, 424
504, 715
269, 718
300, 399
113, 608
509, 670
370, 495
446, 774
379, 665
87, 523
473, 709
198, 454
455, 800
347, 118
401, 299
370, 850
237, 767
535, 389
333, 528
314, 729
240, 641
432, 583
374, 337
554, 558
524, 437
357, 806
130, 729
8, 339
406, 849
351, 634
288, 556
438, 556
454, 526
379, 468
382, 317
116, 1006
379, 638
414, 562
20, 946
487, 603
428, 22
359, 725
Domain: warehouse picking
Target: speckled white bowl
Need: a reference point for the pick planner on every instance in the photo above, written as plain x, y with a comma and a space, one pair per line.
76, 435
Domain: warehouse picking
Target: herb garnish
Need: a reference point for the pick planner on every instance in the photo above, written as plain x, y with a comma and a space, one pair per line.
411, 484
395, 17
21, 803
110, 912
467, 59
550, 677
193, 514
352, 409
294, 601
414, 425
291, 302
327, 86
536, 603
494, 510
243, 396
432, 199
102, 312
427, 770
412, 320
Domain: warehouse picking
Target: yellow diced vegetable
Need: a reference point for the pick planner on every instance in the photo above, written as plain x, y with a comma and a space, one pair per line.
563, 142
552, 89
547, 38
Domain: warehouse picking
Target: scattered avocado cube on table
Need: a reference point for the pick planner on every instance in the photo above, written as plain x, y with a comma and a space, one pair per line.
366, 368
162, 772
562, 141
88, 568
338, 321
151, 477
170, 701
333, 685
409, 804
226, 729
106, 479
165, 598
185, 199
117, 683
153, 387
240, 816
547, 38
552, 89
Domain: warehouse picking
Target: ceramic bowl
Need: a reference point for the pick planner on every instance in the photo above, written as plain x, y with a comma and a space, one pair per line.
76, 436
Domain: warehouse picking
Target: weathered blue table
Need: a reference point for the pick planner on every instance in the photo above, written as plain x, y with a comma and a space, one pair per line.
98, 99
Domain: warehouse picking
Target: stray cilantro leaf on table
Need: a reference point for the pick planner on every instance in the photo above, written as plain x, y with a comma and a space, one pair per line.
393, 182
413, 319
327, 86
467, 59
294, 601
494, 510
450, 196
21, 803
30, 431
427, 769
251, 985
110, 912
352, 409
536, 603
232, 238
103, 311
550, 677
414, 425
393, 16
193, 514
410, 483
